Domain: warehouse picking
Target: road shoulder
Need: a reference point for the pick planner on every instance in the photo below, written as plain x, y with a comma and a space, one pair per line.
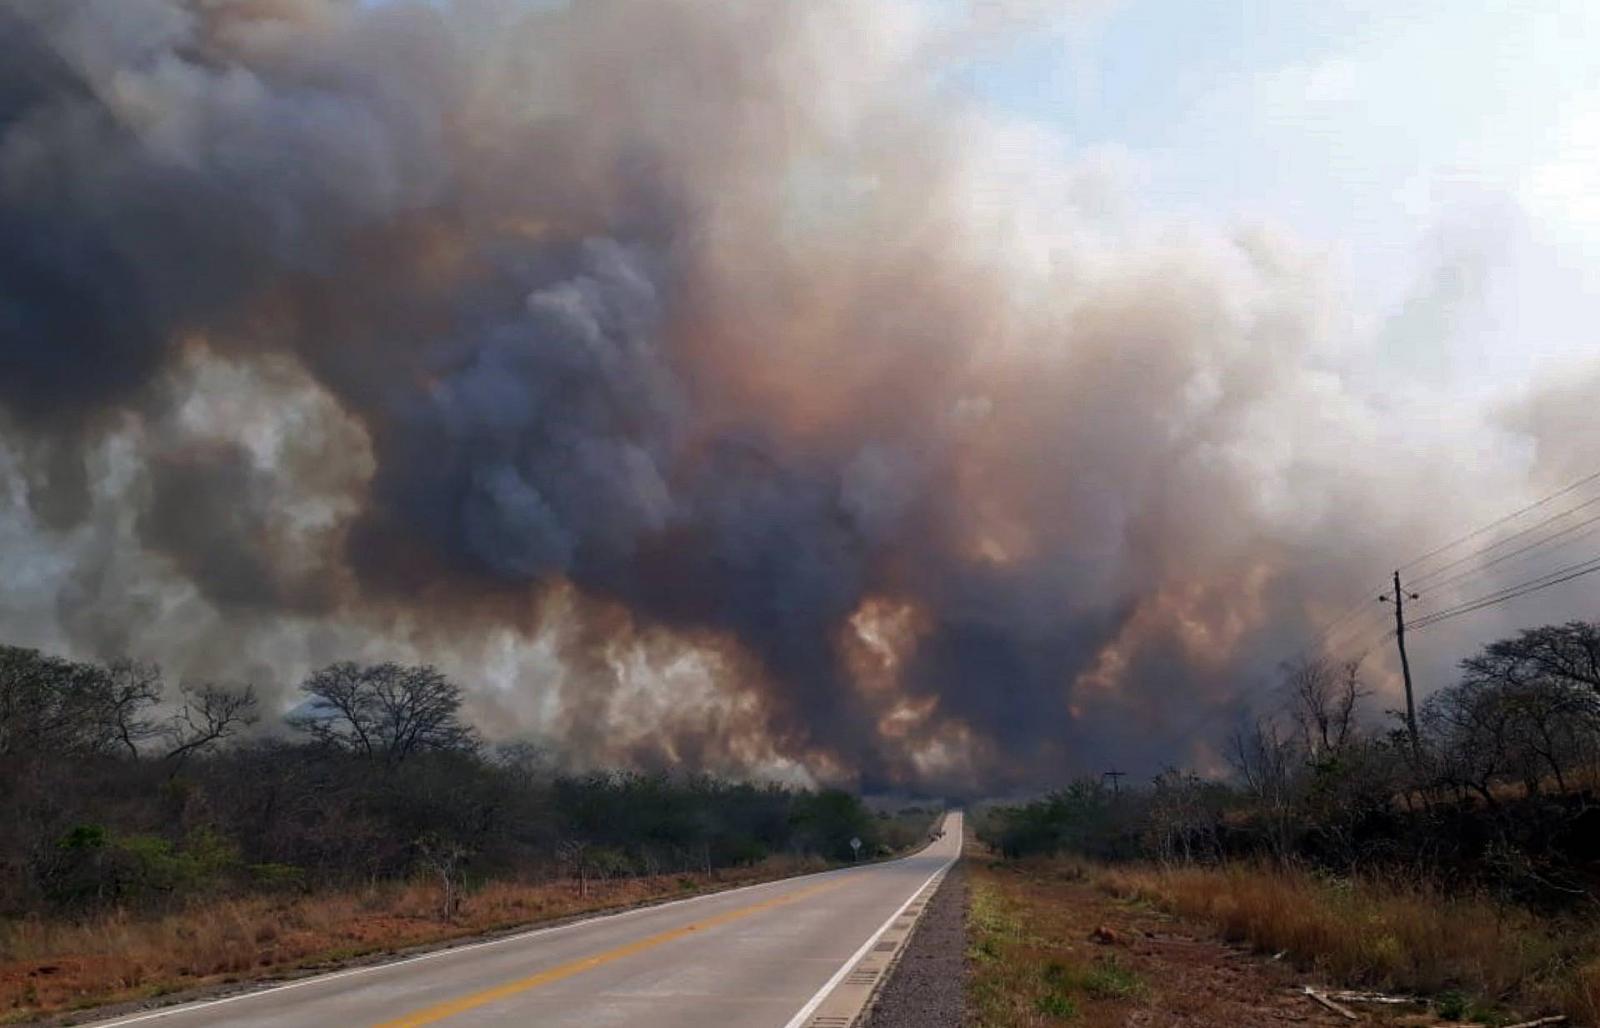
926, 987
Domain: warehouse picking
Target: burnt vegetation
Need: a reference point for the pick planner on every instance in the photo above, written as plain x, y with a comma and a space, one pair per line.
120, 792
1500, 791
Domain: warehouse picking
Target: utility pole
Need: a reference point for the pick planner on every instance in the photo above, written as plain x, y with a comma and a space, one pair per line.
1114, 776
1400, 597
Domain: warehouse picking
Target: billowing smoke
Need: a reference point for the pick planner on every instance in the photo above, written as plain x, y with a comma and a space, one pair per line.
700, 382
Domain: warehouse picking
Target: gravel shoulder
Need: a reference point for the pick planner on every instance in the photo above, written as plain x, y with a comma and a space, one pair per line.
927, 987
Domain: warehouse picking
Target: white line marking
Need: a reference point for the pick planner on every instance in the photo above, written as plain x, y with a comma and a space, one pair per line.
248, 993
838, 976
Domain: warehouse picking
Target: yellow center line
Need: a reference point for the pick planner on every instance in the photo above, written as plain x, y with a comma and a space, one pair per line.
451, 1007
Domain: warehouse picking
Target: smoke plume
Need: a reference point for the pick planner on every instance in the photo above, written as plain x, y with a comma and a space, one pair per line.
700, 383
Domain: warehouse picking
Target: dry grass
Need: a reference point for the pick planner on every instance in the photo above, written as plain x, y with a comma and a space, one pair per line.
49, 965
1048, 946
1387, 936
1024, 972
1580, 996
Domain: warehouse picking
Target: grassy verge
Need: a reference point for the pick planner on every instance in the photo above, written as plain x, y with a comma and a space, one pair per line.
1475, 956
50, 966
1030, 963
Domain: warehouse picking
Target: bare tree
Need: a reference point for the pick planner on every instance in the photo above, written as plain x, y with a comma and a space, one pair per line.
574, 853
528, 761
1569, 654
210, 714
1267, 760
1324, 701
131, 690
51, 706
445, 857
1472, 731
1182, 818
1264, 758
1546, 683
1553, 723
384, 711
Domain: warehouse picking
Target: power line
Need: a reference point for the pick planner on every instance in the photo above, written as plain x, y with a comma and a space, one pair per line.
1360, 631
1496, 600
1513, 537
1557, 577
1338, 631
1374, 643
1537, 581
1496, 524
1267, 682
1366, 641
1471, 572
1330, 626
1532, 585
1235, 703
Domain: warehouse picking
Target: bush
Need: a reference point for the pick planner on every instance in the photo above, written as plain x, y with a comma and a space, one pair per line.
120, 808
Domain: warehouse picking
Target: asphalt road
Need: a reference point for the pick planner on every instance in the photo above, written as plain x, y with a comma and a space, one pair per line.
760, 956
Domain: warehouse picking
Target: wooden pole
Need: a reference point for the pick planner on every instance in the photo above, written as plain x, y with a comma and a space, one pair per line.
1405, 663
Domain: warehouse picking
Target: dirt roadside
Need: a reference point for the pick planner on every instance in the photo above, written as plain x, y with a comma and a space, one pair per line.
1051, 948
243, 945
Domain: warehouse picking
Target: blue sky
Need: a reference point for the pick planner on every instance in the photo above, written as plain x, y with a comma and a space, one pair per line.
1443, 156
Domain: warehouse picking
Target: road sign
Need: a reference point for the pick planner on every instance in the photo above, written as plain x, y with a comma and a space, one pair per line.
855, 846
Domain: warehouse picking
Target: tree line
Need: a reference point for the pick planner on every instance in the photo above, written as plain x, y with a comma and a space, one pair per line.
1500, 786
116, 790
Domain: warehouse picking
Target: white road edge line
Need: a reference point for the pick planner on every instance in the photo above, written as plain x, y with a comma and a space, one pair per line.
249, 993
838, 976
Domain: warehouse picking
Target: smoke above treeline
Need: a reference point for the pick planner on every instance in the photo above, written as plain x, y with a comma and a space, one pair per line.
701, 384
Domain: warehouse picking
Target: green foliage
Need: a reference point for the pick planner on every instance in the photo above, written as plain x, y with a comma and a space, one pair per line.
97, 865
1459, 1006
285, 877
902, 830
83, 838
1056, 999
1054, 1004
826, 821
608, 863
1084, 817
1108, 979
97, 817
1497, 792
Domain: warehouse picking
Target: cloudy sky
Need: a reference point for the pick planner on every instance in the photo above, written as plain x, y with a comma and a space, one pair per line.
911, 393
1444, 155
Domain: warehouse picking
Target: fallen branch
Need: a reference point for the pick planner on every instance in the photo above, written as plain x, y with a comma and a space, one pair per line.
1554, 1019
1370, 997
1342, 1011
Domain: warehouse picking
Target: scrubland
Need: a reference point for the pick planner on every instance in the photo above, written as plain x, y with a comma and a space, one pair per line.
1455, 859
1469, 953
66, 963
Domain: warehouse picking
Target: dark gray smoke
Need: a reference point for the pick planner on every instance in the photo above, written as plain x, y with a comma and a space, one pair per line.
698, 381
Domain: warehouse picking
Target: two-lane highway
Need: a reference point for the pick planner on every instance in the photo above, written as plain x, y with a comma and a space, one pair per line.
762, 956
